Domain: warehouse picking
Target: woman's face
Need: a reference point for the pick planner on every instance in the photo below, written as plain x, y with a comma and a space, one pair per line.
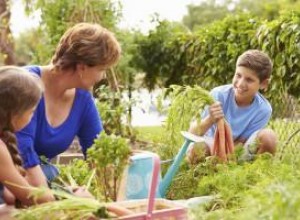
91, 75
21, 120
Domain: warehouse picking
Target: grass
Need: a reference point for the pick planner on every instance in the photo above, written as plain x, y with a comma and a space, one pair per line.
150, 133
263, 189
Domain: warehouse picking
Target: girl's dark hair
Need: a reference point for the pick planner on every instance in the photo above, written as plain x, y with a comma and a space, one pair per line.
88, 44
19, 91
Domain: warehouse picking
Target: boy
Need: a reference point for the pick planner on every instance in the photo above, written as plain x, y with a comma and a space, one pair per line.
245, 109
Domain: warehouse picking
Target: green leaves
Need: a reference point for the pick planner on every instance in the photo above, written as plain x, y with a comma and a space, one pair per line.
208, 57
108, 150
109, 156
186, 103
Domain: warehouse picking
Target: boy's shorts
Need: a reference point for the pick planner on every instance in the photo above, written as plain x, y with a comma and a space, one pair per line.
250, 146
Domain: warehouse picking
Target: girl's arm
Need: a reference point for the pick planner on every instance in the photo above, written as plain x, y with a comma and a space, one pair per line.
36, 177
9, 174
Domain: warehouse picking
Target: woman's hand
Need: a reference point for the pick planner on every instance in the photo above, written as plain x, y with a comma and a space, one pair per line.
216, 111
82, 192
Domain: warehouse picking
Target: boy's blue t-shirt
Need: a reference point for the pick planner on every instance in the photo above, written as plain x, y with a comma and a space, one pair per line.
243, 120
39, 138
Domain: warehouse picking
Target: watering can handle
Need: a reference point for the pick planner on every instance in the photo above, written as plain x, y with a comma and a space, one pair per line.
154, 185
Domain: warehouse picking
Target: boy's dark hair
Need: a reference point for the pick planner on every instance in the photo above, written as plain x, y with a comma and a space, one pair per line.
257, 61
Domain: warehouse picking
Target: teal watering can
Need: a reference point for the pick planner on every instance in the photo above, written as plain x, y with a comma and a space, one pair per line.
138, 176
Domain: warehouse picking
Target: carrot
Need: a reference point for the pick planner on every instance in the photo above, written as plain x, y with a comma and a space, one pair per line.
229, 138
215, 148
118, 210
226, 147
223, 140
221, 128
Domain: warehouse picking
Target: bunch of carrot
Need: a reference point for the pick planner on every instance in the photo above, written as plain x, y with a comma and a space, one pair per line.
223, 141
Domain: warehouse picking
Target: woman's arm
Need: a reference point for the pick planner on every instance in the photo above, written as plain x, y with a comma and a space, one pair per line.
91, 125
10, 175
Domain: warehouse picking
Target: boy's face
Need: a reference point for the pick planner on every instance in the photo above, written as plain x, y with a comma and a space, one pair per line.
246, 84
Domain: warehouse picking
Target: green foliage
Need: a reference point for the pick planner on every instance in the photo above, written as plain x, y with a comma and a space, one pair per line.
208, 56
280, 38
211, 10
30, 49
57, 16
150, 133
109, 156
154, 53
259, 190
186, 104
110, 109
67, 206
263, 189
78, 169
205, 13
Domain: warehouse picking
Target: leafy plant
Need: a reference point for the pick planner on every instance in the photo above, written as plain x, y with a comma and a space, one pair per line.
109, 156
186, 105
208, 56
67, 206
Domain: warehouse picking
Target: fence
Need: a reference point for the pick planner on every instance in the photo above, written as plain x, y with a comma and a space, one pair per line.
286, 123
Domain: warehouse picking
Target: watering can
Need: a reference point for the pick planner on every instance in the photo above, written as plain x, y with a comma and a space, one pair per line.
135, 184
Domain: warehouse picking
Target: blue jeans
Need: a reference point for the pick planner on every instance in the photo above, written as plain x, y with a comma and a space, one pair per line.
50, 171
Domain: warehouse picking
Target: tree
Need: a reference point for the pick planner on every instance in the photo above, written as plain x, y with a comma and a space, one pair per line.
6, 39
212, 10
58, 15
205, 13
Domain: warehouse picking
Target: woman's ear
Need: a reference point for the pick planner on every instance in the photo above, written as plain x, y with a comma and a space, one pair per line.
80, 67
264, 84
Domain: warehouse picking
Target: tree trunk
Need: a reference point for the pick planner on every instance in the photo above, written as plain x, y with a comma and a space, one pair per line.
6, 39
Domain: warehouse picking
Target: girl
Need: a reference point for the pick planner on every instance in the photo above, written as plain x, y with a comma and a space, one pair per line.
20, 92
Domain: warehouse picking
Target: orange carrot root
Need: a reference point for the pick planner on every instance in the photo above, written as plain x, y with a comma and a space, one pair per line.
223, 141
229, 138
221, 128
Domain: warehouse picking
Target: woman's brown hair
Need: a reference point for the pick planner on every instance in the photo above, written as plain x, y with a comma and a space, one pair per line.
19, 91
88, 44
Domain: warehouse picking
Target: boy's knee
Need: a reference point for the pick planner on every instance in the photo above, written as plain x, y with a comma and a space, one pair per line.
196, 152
267, 140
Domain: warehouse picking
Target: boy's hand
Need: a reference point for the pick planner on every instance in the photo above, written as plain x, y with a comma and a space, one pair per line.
216, 111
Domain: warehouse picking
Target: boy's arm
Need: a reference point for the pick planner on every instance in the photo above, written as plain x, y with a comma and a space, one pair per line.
201, 128
215, 112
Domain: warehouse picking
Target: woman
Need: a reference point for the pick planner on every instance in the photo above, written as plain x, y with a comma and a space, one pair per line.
67, 108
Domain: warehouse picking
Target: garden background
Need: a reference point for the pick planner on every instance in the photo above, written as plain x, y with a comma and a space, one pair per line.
201, 50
